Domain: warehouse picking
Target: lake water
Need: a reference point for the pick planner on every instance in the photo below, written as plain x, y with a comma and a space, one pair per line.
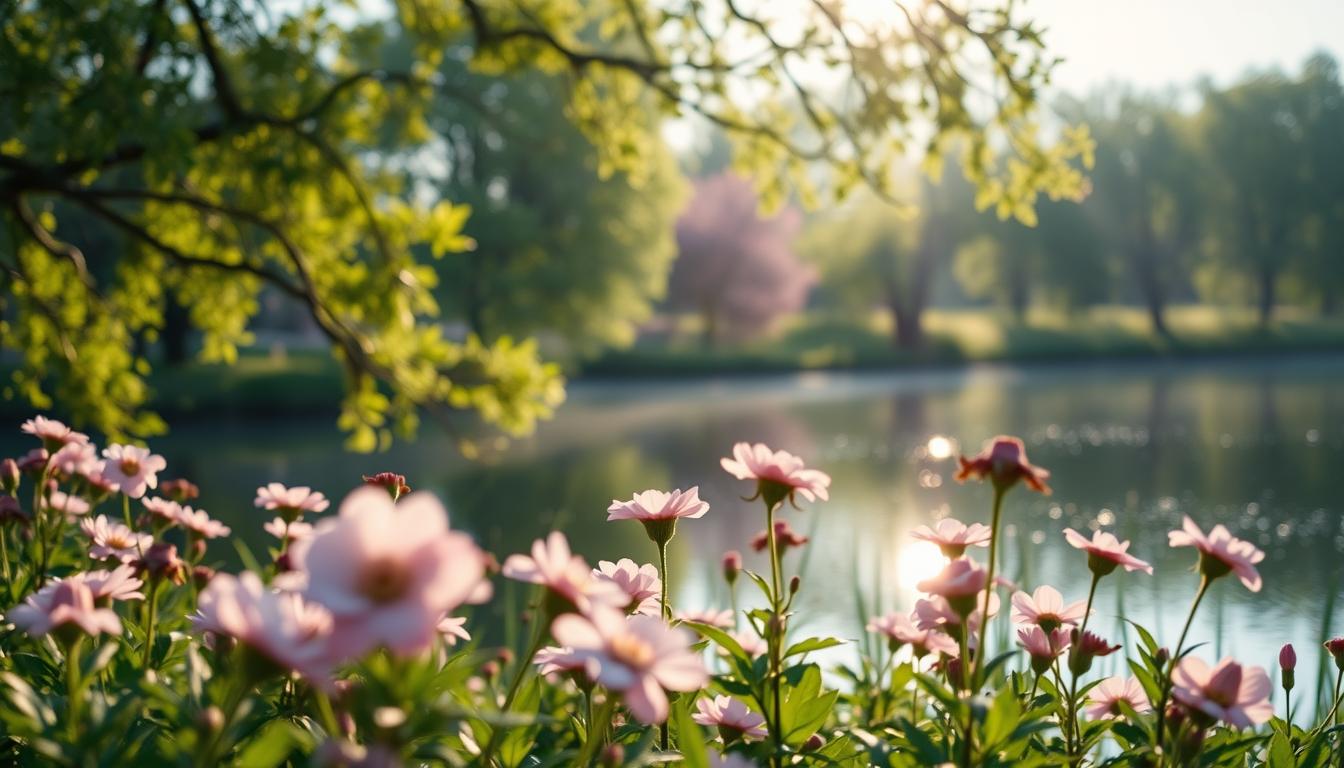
1257, 445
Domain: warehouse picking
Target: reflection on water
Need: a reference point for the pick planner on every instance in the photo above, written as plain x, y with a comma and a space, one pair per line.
1257, 446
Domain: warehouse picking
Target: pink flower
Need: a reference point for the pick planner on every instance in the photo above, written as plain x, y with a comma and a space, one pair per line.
638, 657
954, 536
291, 633
958, 579
114, 540
52, 433
1045, 608
387, 571
1287, 658
1220, 552
71, 506
161, 509
732, 565
1004, 461
565, 575
558, 661
639, 582
659, 505
132, 469
77, 460
1335, 647
453, 628
785, 538
721, 619
290, 502
1237, 695
751, 643
197, 522
64, 603
936, 613
1043, 647
900, 629
778, 474
1104, 699
120, 583
295, 531
731, 717
1105, 552
1085, 648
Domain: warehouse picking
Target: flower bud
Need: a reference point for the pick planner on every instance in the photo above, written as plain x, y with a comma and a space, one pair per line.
160, 561
613, 756
795, 584
179, 490
10, 476
391, 482
11, 511
210, 720
490, 669
1162, 656
1335, 647
201, 576
1287, 658
732, 565
505, 656
814, 742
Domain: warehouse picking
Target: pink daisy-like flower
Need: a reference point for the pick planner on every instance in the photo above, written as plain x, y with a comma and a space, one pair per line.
1220, 552
1004, 462
553, 660
659, 505
900, 629
1236, 695
290, 502
198, 523
77, 460
565, 575
64, 603
162, 510
731, 717
112, 540
1043, 647
954, 536
785, 538
1105, 552
120, 583
958, 580
778, 474
936, 613
388, 571
639, 657
1085, 648
71, 506
133, 469
752, 644
52, 433
639, 582
711, 617
1045, 608
453, 628
1104, 699
295, 531
291, 633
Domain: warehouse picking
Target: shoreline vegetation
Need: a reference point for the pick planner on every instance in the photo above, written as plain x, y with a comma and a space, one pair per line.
304, 383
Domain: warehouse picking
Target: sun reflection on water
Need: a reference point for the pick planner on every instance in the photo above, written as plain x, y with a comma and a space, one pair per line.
917, 561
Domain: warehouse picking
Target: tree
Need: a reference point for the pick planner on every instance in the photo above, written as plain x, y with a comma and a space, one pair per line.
236, 148
1321, 238
736, 268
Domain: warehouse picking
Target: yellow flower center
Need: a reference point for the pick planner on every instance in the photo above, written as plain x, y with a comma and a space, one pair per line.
384, 580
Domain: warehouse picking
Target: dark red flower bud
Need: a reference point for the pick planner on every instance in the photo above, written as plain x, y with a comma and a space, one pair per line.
391, 482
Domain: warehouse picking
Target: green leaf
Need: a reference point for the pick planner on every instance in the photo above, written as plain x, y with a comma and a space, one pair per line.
515, 745
690, 739
812, 644
272, 744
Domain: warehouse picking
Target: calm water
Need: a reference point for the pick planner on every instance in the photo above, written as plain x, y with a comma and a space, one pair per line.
1256, 445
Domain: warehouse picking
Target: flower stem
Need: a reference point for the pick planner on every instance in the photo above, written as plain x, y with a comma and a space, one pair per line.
1204, 583
152, 610
662, 572
776, 631
4, 558
981, 649
72, 686
591, 744
327, 714
538, 637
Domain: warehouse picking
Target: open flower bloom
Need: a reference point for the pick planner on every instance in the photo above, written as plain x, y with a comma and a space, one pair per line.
1103, 700
197, 522
958, 579
52, 433
295, 531
112, 540
161, 509
1004, 462
132, 469
900, 629
388, 571
751, 643
1220, 552
638, 657
1043, 647
120, 583
554, 660
1105, 552
659, 505
282, 627
728, 714
639, 582
64, 603
453, 628
936, 613
68, 504
565, 575
778, 474
1236, 695
785, 538
290, 502
77, 460
721, 619
954, 536
1045, 608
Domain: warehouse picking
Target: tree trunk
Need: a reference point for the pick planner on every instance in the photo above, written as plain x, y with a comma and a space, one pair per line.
1268, 277
1150, 286
710, 320
907, 326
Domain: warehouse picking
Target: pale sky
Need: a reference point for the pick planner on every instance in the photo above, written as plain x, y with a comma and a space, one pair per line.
1154, 43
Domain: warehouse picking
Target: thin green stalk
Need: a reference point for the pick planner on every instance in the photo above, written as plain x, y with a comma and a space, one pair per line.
982, 649
538, 637
1073, 686
327, 715
1204, 583
232, 701
968, 751
592, 743
776, 631
4, 558
662, 572
152, 609
72, 686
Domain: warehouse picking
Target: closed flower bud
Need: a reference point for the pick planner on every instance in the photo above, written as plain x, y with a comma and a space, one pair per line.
732, 565
11, 511
1287, 665
10, 475
1336, 649
814, 742
1162, 656
795, 584
613, 756
210, 720
201, 575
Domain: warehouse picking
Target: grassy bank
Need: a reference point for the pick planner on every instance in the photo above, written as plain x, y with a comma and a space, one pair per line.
309, 383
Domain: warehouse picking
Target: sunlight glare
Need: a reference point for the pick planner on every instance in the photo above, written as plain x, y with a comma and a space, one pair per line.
917, 561
940, 447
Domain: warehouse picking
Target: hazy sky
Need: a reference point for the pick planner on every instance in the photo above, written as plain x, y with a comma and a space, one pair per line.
1152, 43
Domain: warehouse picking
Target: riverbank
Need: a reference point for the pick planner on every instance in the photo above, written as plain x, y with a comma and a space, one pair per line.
309, 383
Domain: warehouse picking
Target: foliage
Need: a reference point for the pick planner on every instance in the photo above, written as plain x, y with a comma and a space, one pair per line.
735, 268
269, 677
232, 150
